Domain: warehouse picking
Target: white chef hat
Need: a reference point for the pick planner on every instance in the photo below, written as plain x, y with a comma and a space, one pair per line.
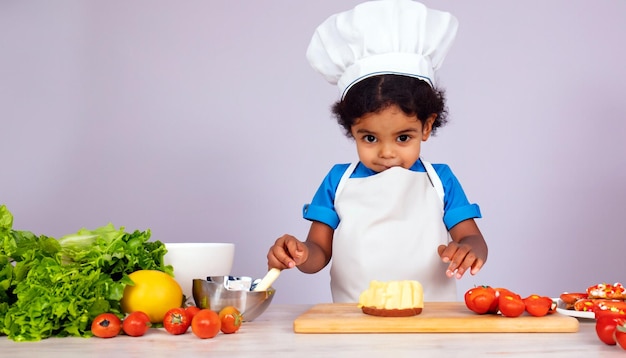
382, 37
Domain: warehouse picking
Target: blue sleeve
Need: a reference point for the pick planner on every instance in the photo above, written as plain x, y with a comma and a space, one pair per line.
322, 207
456, 206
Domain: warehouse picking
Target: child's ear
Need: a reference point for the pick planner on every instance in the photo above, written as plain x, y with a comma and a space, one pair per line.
427, 128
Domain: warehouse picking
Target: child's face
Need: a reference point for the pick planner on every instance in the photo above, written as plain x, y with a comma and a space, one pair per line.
390, 138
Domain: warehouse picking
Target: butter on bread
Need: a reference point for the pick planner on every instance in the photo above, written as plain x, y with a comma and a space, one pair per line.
393, 298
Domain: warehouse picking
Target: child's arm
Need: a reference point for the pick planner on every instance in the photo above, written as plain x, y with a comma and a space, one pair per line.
320, 245
310, 256
468, 249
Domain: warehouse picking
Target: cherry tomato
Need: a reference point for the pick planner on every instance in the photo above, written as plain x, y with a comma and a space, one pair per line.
228, 310
605, 329
606, 322
511, 305
106, 325
230, 319
206, 324
481, 299
136, 324
505, 291
191, 311
620, 333
176, 321
537, 305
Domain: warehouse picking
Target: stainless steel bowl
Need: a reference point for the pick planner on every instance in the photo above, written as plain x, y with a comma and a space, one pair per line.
215, 296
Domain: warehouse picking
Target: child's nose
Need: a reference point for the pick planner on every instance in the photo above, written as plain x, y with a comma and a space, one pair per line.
387, 151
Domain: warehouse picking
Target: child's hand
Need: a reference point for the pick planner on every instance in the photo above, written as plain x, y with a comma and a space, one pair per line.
287, 252
461, 258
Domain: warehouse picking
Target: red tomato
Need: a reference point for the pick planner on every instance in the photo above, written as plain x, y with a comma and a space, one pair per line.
605, 329
228, 310
606, 321
191, 311
504, 291
481, 299
230, 319
106, 325
620, 333
136, 324
511, 305
206, 324
176, 321
537, 305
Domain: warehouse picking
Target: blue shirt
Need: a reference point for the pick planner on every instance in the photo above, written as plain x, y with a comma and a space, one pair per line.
456, 206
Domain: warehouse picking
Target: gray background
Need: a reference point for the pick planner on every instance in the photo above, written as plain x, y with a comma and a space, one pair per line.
202, 121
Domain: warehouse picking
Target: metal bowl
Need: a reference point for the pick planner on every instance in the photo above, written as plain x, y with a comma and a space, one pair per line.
198, 260
215, 296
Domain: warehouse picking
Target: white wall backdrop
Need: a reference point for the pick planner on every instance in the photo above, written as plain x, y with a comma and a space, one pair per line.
202, 121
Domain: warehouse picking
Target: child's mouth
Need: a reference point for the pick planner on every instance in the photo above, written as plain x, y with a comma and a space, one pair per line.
387, 166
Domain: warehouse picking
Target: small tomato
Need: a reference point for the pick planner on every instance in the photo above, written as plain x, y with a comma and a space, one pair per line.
176, 321
136, 324
106, 325
505, 291
206, 324
537, 305
481, 299
230, 319
191, 311
511, 305
606, 322
620, 333
605, 330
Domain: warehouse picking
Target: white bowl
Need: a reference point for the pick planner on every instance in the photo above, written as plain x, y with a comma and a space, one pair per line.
198, 261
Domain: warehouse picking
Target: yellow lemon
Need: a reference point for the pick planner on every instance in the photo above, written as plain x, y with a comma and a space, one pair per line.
154, 293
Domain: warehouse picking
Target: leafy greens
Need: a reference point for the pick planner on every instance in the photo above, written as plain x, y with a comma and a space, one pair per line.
51, 287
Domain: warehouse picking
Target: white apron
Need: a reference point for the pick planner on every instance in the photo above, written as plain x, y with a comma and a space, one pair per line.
391, 224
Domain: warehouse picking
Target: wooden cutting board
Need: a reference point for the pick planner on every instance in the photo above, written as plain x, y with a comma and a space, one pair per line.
435, 317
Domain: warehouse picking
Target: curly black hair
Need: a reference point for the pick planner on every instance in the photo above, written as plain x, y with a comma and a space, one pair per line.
413, 95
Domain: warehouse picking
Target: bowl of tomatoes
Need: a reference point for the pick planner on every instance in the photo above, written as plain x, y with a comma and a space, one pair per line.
216, 293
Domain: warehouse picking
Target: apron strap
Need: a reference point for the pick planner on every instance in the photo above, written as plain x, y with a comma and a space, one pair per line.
434, 179
430, 171
345, 177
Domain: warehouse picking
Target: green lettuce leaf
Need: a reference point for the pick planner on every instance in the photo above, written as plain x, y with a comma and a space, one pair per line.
56, 288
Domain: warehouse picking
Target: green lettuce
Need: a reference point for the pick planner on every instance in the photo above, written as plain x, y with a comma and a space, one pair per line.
51, 287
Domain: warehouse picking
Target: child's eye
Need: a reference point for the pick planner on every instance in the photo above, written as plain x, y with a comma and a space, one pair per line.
369, 138
403, 138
